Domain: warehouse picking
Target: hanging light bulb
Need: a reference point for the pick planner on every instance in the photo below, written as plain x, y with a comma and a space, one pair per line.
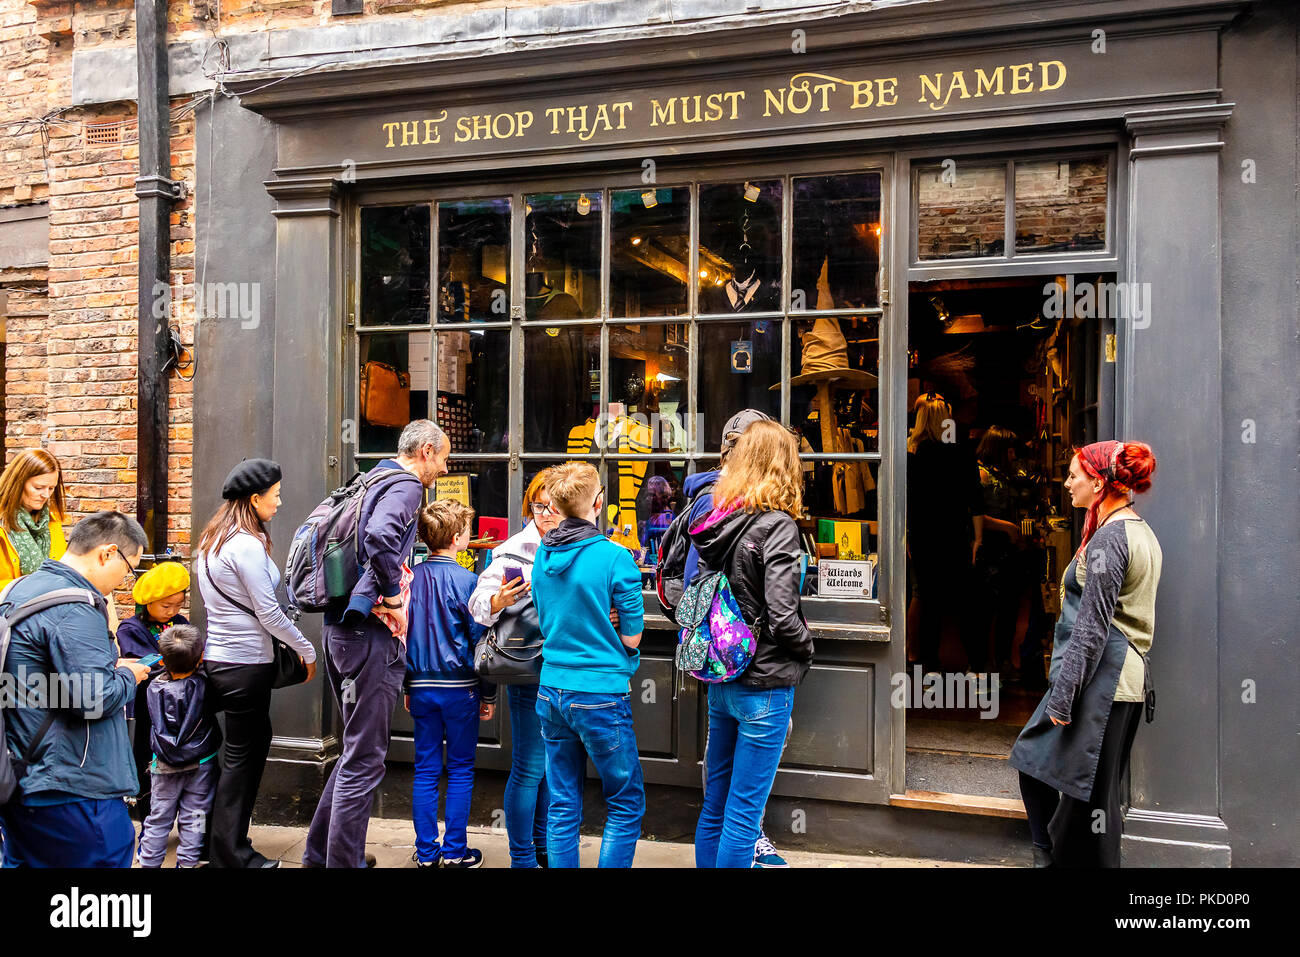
650, 198
584, 204
636, 240
751, 192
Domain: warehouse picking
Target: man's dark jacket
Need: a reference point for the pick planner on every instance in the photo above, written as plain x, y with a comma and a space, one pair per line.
86, 753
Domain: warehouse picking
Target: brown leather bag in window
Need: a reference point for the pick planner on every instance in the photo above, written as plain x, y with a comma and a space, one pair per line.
385, 396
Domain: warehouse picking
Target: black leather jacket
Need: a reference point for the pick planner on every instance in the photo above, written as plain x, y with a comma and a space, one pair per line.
764, 575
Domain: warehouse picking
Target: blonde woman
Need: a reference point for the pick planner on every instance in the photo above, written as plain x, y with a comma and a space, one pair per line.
31, 513
752, 536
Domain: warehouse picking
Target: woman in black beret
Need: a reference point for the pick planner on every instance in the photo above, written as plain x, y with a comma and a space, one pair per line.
238, 581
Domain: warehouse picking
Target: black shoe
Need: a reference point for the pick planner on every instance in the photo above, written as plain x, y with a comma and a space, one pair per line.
473, 858
371, 861
267, 864
1042, 857
542, 860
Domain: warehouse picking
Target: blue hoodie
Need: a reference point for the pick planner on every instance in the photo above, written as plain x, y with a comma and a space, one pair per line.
698, 509
579, 575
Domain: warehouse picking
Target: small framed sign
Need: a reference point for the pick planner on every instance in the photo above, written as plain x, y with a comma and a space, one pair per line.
836, 579
453, 487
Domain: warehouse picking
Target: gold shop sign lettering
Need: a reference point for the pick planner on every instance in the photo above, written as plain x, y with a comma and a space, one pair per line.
803, 97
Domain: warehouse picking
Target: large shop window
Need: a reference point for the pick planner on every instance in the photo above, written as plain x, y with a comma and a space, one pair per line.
643, 319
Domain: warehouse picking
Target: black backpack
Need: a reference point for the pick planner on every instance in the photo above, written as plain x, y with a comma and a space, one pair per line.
674, 548
12, 768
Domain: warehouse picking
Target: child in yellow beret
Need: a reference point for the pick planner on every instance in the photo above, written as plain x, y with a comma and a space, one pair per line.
159, 594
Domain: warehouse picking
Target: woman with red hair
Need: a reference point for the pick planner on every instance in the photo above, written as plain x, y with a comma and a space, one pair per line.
1073, 752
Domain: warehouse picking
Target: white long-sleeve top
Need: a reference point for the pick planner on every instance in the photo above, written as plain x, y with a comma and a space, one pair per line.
246, 573
523, 544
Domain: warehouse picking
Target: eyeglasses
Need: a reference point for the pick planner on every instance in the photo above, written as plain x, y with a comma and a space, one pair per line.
130, 569
540, 508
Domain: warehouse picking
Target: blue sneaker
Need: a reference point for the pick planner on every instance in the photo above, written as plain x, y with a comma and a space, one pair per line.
472, 858
415, 856
765, 854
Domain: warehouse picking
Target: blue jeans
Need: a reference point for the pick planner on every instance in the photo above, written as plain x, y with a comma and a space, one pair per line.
87, 833
577, 725
443, 715
527, 796
747, 728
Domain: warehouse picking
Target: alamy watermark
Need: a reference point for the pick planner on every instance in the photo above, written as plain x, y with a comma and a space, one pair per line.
78, 692
1098, 300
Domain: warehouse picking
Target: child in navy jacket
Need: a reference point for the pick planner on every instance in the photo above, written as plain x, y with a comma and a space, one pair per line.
443, 694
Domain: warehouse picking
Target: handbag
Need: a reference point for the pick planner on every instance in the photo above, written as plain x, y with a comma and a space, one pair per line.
1148, 686
290, 669
510, 652
385, 395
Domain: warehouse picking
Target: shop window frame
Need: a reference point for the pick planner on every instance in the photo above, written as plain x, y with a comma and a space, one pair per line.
832, 617
1025, 260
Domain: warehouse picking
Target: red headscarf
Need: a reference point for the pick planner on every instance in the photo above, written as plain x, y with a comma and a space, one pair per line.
1100, 460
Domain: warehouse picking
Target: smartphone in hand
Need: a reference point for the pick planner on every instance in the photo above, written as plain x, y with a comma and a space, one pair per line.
150, 660
513, 573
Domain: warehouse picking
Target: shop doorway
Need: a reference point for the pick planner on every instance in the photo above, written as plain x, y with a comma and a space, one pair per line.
1007, 383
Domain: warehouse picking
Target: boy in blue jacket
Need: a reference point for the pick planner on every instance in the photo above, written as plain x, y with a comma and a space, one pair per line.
579, 578
443, 694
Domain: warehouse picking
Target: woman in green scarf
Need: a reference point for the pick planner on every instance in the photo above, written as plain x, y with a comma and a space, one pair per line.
31, 513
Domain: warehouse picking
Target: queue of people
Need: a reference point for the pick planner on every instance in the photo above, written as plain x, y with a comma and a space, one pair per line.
400, 632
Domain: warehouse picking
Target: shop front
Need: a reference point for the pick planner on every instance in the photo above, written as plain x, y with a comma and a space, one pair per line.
602, 252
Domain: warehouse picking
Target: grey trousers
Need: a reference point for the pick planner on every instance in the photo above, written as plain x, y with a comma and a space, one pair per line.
365, 665
183, 798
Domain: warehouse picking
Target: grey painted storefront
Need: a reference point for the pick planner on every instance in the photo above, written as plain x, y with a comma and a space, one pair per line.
1184, 103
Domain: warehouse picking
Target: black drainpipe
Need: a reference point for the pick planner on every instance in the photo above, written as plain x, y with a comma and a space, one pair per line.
156, 192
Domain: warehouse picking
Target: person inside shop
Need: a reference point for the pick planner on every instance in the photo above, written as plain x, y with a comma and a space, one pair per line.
751, 534
159, 595
1074, 750
945, 526
999, 574
526, 796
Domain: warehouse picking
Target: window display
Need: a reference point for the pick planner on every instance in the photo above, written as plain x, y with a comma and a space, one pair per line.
474, 260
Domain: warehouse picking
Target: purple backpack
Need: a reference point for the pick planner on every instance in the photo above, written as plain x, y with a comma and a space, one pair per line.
715, 643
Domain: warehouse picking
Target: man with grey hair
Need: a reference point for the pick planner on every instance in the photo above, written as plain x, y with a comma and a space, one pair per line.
365, 647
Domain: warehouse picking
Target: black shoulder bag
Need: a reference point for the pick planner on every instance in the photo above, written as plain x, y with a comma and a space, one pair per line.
510, 652
290, 669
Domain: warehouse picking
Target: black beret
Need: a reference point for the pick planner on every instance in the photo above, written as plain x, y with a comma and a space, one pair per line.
249, 477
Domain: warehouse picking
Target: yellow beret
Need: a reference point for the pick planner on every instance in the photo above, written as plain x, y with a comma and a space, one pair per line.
164, 579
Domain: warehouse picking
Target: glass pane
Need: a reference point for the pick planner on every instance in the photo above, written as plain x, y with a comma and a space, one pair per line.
393, 386
842, 527
486, 488
647, 495
740, 247
740, 368
836, 258
961, 211
649, 251
561, 387
473, 389
562, 269
394, 265
648, 374
834, 391
1061, 204
474, 260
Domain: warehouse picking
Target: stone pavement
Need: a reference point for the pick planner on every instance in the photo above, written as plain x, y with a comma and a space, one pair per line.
392, 841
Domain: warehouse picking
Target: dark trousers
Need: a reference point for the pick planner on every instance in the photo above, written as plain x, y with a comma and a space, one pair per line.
243, 694
365, 665
89, 833
941, 570
1073, 830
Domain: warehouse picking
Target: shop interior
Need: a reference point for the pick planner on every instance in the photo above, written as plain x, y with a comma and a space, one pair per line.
1021, 390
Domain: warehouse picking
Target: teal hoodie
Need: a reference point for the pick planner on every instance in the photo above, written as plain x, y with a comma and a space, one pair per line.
578, 576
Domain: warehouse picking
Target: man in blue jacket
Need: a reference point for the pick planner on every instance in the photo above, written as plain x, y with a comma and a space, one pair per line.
70, 810
365, 660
